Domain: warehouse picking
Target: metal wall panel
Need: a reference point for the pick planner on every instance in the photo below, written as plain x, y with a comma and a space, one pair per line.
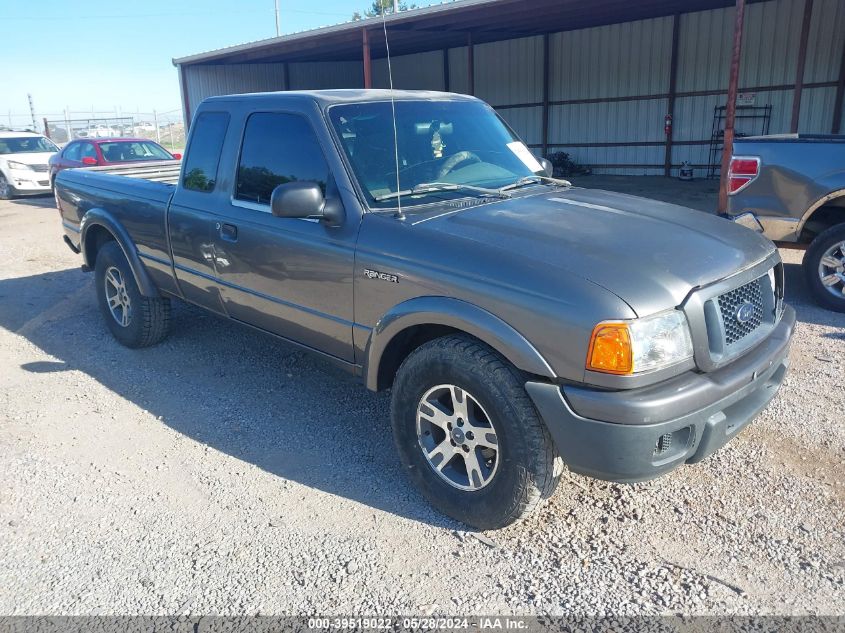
607, 122
422, 71
325, 75
770, 43
827, 37
618, 60
526, 122
704, 48
637, 161
817, 110
209, 81
458, 65
694, 115
769, 50
509, 72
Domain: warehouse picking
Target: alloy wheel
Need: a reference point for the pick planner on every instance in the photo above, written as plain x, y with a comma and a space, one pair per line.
457, 437
832, 270
117, 297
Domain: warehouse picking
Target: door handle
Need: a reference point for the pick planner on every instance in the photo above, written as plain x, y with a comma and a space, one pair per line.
228, 232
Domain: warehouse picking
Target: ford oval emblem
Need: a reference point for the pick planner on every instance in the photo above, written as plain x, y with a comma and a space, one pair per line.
745, 313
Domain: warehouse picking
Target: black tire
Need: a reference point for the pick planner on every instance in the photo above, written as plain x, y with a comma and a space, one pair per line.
7, 191
148, 319
812, 261
526, 472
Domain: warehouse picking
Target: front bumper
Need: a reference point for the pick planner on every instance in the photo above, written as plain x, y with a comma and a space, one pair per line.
640, 434
29, 181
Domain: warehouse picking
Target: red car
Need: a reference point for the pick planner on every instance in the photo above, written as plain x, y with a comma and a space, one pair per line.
107, 151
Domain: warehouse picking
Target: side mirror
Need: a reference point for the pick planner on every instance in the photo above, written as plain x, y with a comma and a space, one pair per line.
89, 161
306, 200
548, 167
297, 200
177, 156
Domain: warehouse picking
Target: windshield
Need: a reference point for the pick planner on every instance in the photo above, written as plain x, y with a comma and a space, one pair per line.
26, 145
455, 142
128, 151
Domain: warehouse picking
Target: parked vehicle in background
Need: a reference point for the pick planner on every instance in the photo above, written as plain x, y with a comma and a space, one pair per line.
792, 189
24, 167
107, 151
519, 322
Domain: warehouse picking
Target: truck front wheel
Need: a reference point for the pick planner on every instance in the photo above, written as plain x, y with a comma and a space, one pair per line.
469, 436
133, 319
824, 268
7, 191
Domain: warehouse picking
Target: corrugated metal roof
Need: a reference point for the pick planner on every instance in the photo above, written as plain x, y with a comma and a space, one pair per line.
446, 26
352, 25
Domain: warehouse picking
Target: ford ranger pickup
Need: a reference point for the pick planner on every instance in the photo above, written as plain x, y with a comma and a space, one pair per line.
523, 325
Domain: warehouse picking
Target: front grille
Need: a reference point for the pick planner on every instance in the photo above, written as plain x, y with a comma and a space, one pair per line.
40, 167
737, 326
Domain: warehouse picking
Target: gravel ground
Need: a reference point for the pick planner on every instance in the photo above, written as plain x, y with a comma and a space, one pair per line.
224, 473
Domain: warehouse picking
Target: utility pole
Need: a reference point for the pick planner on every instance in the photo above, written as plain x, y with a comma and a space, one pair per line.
32, 112
67, 126
395, 6
278, 30
155, 123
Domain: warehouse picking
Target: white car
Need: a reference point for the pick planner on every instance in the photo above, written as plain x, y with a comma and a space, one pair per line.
23, 163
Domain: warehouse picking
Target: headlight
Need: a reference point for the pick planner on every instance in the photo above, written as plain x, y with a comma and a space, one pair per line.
640, 345
14, 165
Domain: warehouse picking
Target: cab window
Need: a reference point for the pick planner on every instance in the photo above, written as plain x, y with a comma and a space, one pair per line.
278, 148
203, 155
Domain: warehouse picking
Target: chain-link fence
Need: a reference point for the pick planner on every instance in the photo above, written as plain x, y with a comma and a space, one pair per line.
165, 127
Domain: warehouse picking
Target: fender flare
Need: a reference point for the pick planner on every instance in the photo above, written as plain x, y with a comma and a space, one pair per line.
102, 218
818, 204
459, 315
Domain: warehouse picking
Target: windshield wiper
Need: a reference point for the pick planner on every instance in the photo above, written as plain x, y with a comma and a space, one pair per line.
535, 180
434, 187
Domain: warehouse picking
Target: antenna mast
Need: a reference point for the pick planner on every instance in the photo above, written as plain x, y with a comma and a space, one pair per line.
399, 213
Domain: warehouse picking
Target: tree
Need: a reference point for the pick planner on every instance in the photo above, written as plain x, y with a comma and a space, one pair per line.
378, 7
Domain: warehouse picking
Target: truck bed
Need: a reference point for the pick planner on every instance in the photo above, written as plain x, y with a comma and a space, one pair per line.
155, 171
136, 197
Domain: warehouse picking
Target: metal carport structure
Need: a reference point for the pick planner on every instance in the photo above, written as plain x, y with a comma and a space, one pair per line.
595, 79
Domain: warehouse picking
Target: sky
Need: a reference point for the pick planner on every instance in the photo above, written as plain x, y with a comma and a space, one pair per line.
113, 55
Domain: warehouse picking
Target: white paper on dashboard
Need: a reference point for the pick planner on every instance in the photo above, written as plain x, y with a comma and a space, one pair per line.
525, 155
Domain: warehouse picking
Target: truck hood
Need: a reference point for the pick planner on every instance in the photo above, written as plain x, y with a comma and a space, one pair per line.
650, 254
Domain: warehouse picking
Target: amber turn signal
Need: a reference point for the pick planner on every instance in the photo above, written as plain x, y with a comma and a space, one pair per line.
610, 349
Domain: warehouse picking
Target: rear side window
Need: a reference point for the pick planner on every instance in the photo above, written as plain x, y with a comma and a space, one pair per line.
278, 148
72, 152
203, 157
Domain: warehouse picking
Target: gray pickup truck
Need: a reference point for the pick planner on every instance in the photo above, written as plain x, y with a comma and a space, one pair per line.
522, 325
792, 189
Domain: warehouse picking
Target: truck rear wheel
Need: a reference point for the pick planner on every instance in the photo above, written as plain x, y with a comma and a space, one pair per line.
468, 434
824, 268
133, 319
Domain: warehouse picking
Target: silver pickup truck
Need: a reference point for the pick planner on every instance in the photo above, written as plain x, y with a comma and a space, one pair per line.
521, 324
792, 189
